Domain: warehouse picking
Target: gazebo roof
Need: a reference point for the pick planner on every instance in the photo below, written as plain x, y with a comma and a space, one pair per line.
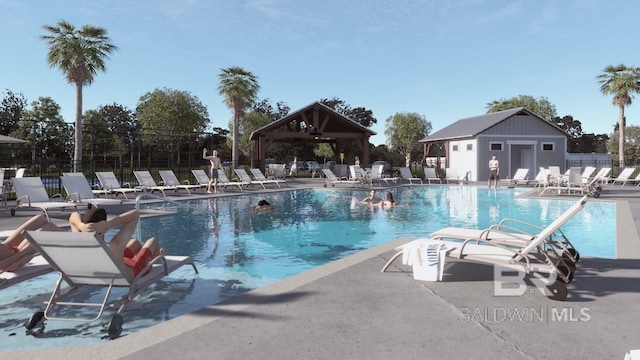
313, 122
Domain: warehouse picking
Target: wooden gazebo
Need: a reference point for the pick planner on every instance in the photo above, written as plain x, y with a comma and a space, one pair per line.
315, 123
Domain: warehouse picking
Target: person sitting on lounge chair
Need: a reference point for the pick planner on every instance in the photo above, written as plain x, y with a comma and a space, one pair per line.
263, 205
372, 198
15, 251
134, 254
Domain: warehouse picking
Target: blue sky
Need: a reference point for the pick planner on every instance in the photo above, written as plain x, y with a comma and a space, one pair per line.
444, 59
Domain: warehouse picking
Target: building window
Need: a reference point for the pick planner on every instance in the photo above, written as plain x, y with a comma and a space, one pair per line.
469, 147
495, 146
454, 148
547, 146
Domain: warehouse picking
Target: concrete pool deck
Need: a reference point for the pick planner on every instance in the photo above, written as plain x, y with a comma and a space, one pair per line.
349, 310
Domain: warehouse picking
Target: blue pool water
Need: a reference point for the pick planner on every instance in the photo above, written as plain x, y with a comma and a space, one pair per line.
237, 250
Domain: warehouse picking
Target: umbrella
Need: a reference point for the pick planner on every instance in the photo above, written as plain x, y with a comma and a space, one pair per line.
9, 140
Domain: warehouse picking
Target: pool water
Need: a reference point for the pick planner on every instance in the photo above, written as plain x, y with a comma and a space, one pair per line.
237, 250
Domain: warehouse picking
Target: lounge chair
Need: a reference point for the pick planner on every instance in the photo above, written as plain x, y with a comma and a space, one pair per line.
377, 175
333, 180
245, 178
84, 260
96, 192
516, 232
430, 175
624, 176
587, 174
602, 177
313, 167
79, 191
573, 184
35, 266
146, 182
258, 175
109, 182
341, 170
519, 177
170, 179
451, 175
406, 174
224, 182
359, 174
278, 171
201, 177
30, 193
531, 258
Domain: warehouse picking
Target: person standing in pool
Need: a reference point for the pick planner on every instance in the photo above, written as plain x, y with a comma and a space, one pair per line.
216, 164
494, 168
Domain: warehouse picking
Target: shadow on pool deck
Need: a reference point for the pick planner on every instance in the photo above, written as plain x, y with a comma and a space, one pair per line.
349, 310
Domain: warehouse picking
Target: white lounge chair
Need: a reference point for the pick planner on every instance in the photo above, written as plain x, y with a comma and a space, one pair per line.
377, 175
519, 177
602, 177
358, 174
258, 175
84, 260
430, 175
170, 179
224, 182
587, 174
624, 176
245, 178
146, 182
532, 258
34, 267
109, 182
451, 175
79, 191
30, 193
333, 180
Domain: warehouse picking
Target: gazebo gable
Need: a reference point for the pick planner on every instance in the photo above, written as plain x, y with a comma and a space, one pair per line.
315, 120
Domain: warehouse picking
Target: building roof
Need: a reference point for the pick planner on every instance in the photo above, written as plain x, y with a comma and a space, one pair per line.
473, 126
314, 116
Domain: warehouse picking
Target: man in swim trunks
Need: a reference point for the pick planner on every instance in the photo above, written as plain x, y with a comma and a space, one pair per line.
494, 167
214, 160
15, 250
134, 254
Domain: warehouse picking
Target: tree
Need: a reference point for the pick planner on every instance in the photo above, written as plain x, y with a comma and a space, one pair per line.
631, 146
239, 88
264, 107
405, 130
622, 82
166, 115
249, 123
79, 54
541, 106
11, 109
50, 136
360, 115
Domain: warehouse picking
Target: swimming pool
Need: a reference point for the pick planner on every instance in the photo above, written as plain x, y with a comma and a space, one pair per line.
237, 250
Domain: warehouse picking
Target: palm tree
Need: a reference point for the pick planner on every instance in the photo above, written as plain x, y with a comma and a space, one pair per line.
622, 82
79, 54
239, 88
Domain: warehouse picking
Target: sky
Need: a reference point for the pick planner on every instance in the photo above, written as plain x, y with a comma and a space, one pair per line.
443, 59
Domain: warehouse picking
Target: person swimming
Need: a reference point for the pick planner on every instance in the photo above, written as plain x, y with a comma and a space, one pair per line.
263, 205
372, 198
